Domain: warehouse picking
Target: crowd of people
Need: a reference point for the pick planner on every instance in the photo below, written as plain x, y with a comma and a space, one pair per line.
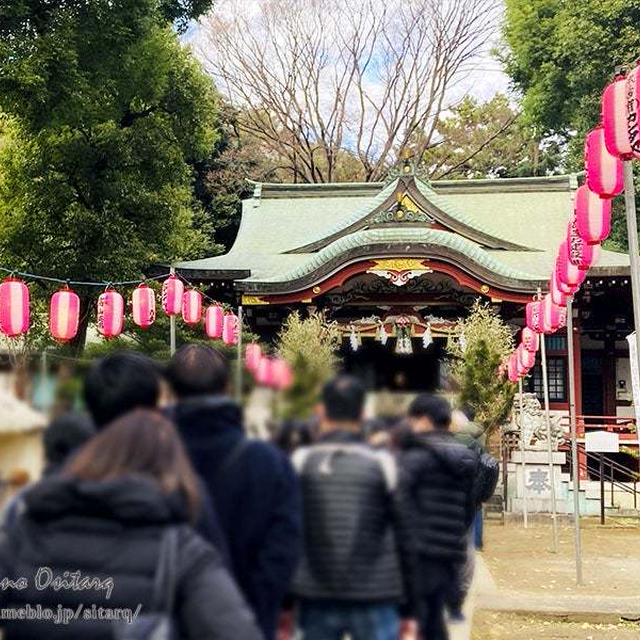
157, 503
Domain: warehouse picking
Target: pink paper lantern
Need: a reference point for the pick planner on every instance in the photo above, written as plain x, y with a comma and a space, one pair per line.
530, 339
110, 314
252, 356
192, 306
567, 272
64, 315
282, 374
14, 308
172, 295
562, 317
512, 368
527, 358
550, 315
143, 306
632, 94
604, 171
213, 318
534, 316
614, 119
593, 215
568, 290
264, 372
230, 329
581, 253
558, 295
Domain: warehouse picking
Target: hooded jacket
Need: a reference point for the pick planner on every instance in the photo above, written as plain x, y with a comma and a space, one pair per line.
110, 532
436, 491
256, 496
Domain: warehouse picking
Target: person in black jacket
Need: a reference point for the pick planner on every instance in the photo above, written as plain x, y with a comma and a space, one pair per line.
252, 483
436, 491
124, 381
349, 580
88, 544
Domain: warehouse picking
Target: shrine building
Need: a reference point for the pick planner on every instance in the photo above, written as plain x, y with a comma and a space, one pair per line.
395, 264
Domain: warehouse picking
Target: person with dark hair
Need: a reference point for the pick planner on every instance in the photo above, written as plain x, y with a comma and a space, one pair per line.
349, 580
119, 382
124, 381
252, 483
110, 518
436, 491
65, 434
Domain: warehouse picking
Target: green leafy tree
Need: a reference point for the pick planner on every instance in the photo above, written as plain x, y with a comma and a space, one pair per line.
561, 55
105, 115
489, 140
474, 367
310, 346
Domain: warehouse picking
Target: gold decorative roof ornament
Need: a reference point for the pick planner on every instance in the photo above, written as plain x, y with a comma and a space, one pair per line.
399, 270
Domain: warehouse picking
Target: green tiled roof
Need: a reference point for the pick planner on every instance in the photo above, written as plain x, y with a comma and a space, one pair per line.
430, 237
288, 230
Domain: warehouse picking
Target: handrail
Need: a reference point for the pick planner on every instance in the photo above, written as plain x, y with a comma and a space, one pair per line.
608, 461
615, 483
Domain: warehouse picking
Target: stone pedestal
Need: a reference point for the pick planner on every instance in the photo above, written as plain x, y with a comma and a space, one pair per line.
536, 482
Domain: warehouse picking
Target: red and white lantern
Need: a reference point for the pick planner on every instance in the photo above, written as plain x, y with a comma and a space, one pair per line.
172, 295
567, 272
192, 306
632, 93
143, 306
604, 171
534, 316
213, 318
110, 314
64, 315
593, 215
230, 329
14, 307
581, 253
252, 356
614, 119
530, 339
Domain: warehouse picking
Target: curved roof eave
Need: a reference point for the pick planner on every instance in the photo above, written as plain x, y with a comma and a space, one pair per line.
409, 242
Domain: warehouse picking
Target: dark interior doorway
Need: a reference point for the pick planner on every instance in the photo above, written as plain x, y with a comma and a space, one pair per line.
380, 367
592, 389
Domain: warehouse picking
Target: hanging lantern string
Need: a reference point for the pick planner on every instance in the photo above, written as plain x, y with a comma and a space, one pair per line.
80, 283
204, 295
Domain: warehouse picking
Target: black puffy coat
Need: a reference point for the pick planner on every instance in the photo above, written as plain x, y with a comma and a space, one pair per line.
351, 544
256, 496
112, 530
436, 491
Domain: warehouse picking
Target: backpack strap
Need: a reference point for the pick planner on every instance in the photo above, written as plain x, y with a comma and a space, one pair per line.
165, 582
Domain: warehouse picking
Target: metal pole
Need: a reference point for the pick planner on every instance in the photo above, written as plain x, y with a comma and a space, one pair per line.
601, 488
634, 252
525, 515
545, 385
172, 326
239, 364
575, 469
